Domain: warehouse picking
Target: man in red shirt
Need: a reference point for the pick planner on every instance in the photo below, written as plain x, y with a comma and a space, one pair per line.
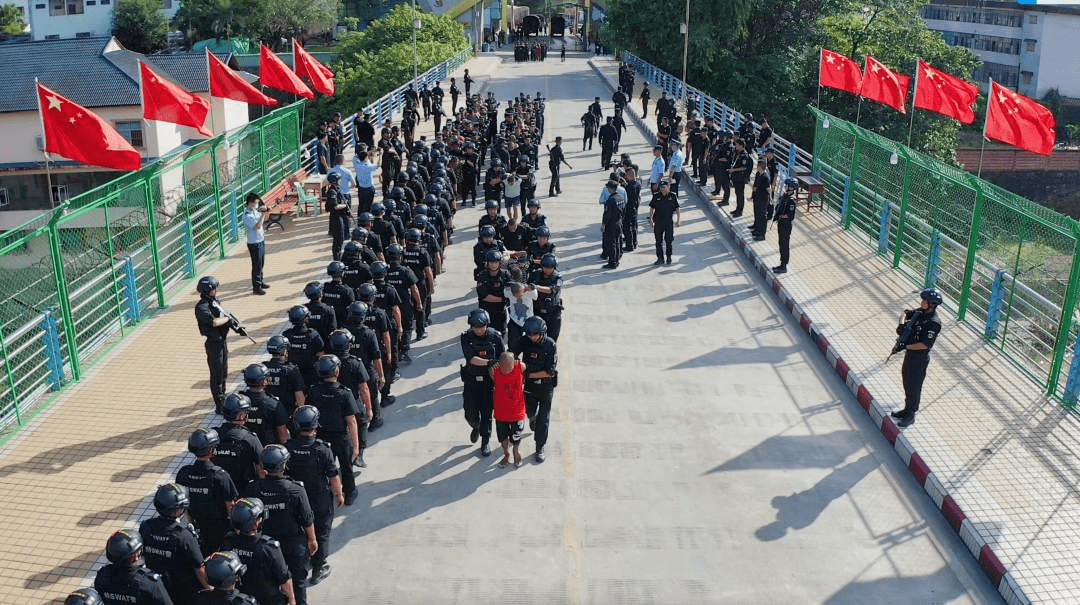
509, 403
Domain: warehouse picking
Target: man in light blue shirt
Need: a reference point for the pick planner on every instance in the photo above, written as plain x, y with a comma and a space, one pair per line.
676, 167
658, 168
605, 193
365, 185
256, 241
340, 170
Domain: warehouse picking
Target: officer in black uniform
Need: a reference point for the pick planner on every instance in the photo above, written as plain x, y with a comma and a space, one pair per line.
420, 263
268, 419
533, 218
491, 282
537, 351
210, 489
481, 345
225, 570
305, 344
632, 187
214, 325
84, 596
367, 347
337, 421
918, 331
321, 316
336, 293
338, 213
486, 241
124, 580
611, 224
741, 167
314, 465
385, 333
664, 216
268, 579
720, 155
607, 137
386, 298
353, 375
238, 449
784, 217
556, 158
289, 517
171, 546
285, 382
539, 246
357, 269
402, 279
548, 284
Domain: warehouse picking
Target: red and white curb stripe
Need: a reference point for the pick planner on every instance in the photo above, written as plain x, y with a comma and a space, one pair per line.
971, 536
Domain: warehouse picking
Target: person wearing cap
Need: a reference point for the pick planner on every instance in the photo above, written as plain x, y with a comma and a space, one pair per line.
658, 168
917, 331
363, 130
784, 217
645, 94
596, 110
214, 326
346, 177
760, 195
664, 217
365, 165
555, 160
613, 198
675, 166
630, 215
338, 214
455, 92
741, 166
256, 240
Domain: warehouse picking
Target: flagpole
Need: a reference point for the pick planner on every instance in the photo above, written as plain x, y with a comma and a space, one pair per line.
209, 93
914, 93
44, 144
858, 112
986, 118
820, 54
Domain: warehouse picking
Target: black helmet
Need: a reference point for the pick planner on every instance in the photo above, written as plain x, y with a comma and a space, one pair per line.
306, 418
543, 231
327, 365
234, 405
394, 252
397, 193
366, 293
340, 340
535, 325
223, 569
350, 249
312, 290
357, 311
333, 178
378, 209
247, 512
420, 221
254, 374
391, 206
487, 231
206, 284
479, 317
277, 344
488, 205
366, 217
335, 268
202, 441
379, 269
549, 260
791, 182
431, 199
298, 314
493, 256
84, 596
931, 295
170, 499
749, 117
359, 234
534, 203
422, 209
412, 235
274, 457
123, 545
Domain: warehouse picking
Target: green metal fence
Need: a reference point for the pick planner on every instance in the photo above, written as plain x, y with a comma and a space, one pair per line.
1008, 266
83, 275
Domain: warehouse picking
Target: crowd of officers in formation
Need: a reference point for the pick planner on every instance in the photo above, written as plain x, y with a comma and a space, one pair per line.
260, 496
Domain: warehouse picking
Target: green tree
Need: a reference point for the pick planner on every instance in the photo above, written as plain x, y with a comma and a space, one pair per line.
140, 25
266, 20
11, 20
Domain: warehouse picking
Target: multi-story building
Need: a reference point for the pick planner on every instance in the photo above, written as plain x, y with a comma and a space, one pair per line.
59, 19
1029, 48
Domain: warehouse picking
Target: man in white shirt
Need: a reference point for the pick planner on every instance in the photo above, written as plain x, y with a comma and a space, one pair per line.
676, 166
256, 241
658, 168
346, 176
365, 166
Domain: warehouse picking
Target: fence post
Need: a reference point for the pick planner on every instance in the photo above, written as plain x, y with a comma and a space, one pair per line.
60, 280
1067, 308
131, 290
844, 222
883, 228
217, 201
262, 158
851, 179
234, 224
738, 119
972, 248
994, 306
54, 359
155, 254
905, 196
933, 260
1072, 385
10, 379
792, 157
188, 241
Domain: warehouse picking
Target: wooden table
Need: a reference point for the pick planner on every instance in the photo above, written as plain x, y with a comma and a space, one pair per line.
808, 186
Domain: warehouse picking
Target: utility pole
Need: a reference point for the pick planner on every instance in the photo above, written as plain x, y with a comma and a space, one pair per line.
685, 27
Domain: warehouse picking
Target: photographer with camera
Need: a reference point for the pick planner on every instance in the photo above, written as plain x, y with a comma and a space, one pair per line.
254, 216
916, 335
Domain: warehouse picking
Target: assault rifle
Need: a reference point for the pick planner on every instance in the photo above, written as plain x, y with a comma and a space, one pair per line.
904, 330
234, 323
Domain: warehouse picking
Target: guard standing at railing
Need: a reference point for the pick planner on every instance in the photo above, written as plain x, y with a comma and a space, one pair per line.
918, 331
214, 324
645, 94
784, 217
740, 169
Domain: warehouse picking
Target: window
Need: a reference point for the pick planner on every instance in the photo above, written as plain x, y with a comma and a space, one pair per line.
40, 7
4, 201
132, 131
65, 7
1029, 46
85, 34
59, 194
1033, 19
1025, 77
52, 37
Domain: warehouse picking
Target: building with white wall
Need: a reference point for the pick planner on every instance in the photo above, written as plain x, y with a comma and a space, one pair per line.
58, 19
1029, 48
99, 74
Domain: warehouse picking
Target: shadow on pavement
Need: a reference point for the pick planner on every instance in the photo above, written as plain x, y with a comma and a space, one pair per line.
827, 450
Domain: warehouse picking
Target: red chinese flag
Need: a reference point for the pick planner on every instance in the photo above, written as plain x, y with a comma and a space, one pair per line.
78, 134
945, 94
884, 85
309, 67
166, 102
274, 73
227, 84
1019, 121
837, 71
